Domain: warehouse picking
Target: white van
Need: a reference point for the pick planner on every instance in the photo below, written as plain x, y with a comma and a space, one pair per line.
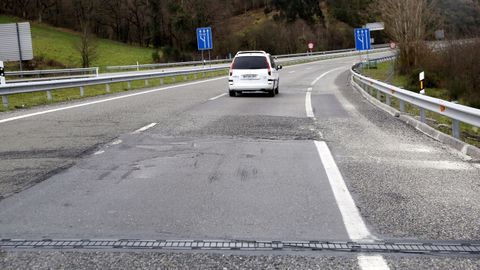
253, 71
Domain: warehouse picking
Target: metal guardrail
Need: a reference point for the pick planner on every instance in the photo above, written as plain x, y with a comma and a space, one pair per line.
222, 61
458, 113
163, 65
47, 86
52, 71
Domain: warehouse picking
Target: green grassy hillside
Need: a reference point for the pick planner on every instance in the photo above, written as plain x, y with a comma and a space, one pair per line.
59, 44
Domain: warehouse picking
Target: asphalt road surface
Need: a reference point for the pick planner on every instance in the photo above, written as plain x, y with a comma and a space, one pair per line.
317, 162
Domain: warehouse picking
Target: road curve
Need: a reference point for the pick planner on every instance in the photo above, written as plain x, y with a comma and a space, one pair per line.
317, 162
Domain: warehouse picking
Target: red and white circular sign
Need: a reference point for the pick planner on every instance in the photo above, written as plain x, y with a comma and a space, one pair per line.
310, 45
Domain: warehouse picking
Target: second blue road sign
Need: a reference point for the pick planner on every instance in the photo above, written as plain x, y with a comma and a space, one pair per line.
362, 39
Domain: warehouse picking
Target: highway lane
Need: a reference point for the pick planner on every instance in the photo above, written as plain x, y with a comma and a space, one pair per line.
244, 167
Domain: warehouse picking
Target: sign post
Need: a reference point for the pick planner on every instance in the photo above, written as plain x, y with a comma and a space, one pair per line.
204, 40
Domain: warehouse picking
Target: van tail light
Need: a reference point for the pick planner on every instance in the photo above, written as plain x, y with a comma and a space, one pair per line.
231, 69
269, 68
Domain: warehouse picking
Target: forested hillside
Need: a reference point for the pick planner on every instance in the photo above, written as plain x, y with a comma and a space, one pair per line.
279, 26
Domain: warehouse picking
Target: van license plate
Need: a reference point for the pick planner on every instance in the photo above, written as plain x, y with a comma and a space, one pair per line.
249, 76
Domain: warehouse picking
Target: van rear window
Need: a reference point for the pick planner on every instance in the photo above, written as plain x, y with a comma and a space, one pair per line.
250, 62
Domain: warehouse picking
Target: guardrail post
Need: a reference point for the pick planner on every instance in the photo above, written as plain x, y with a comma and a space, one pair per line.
174, 79
146, 82
107, 87
49, 95
129, 85
161, 81
402, 106
82, 91
185, 77
388, 100
5, 101
379, 95
195, 76
203, 74
456, 128
423, 118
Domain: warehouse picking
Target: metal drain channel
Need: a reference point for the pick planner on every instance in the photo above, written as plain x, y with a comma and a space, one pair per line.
361, 247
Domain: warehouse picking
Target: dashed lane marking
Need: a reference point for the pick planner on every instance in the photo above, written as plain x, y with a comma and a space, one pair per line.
145, 128
217, 97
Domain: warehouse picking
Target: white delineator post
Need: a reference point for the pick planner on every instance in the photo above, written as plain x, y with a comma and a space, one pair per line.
2, 73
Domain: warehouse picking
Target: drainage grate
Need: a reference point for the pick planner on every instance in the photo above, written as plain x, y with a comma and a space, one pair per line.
363, 247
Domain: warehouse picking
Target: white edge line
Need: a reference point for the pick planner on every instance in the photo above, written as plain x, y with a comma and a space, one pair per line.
356, 228
217, 97
325, 74
144, 128
105, 100
372, 262
308, 104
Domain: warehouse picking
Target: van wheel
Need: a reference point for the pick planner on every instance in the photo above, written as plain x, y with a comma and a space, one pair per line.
276, 91
232, 93
271, 93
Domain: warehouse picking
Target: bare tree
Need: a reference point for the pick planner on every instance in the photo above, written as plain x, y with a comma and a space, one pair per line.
87, 47
408, 22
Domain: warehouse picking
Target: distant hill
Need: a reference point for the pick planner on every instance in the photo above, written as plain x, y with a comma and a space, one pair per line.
55, 47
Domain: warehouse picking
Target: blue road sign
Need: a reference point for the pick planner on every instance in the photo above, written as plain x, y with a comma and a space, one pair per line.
204, 38
362, 39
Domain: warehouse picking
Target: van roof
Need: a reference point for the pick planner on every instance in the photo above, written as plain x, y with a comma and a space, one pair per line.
252, 52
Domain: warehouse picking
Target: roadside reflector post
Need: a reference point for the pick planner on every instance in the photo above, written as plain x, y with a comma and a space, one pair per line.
388, 99
195, 76
129, 85
2, 74
5, 101
146, 82
185, 77
107, 87
422, 82
456, 128
379, 95
49, 95
161, 81
174, 79
82, 91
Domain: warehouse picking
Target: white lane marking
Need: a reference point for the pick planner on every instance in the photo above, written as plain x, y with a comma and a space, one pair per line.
116, 142
144, 128
105, 100
99, 152
291, 72
308, 104
325, 74
217, 97
356, 228
372, 262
